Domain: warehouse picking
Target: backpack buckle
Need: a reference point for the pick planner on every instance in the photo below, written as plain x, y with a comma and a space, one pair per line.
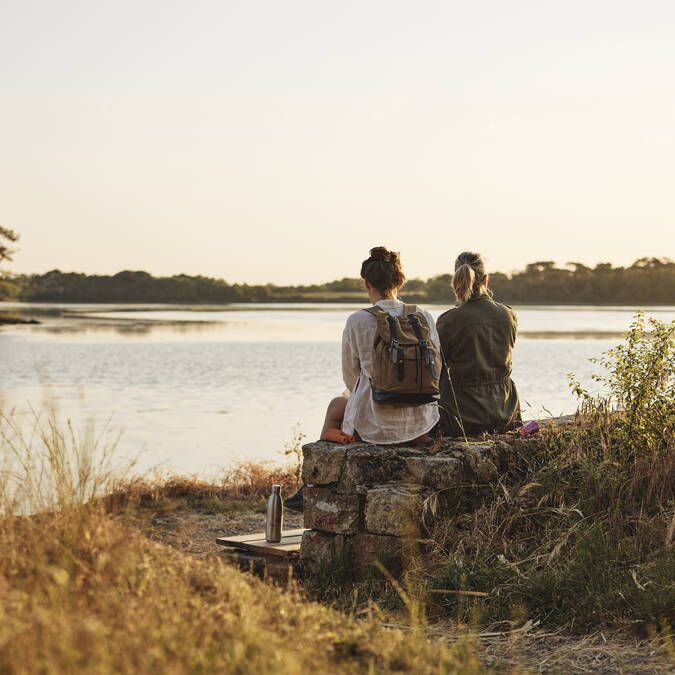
394, 350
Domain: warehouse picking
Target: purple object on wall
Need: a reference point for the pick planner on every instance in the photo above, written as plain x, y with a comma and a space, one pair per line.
529, 429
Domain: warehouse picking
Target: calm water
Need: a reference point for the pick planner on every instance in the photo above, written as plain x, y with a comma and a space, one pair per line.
195, 389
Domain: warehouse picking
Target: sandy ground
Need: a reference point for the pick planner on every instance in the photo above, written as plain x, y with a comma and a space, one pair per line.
529, 649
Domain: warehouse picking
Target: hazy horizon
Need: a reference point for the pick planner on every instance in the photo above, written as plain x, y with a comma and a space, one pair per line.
265, 142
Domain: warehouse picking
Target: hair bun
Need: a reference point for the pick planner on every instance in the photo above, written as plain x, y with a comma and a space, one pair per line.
383, 270
382, 253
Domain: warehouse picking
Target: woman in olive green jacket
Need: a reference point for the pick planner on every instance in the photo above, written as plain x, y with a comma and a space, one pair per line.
477, 339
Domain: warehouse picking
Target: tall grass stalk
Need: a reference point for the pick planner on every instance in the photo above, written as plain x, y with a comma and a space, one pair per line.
53, 466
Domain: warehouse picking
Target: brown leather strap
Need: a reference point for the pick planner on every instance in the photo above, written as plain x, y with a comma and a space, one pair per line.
374, 310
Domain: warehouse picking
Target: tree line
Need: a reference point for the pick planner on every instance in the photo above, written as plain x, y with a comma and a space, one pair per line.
648, 281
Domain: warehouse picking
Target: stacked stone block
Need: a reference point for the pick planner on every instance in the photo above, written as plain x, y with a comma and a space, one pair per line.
368, 502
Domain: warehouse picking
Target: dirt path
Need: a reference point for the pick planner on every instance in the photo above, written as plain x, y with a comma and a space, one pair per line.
556, 652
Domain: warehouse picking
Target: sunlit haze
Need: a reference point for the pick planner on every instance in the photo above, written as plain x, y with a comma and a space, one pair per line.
278, 141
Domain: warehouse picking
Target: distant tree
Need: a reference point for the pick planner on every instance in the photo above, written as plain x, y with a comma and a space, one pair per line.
345, 284
578, 268
8, 287
439, 289
500, 284
7, 235
415, 285
540, 267
648, 281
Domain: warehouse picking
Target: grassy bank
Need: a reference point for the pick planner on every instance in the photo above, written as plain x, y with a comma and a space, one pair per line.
579, 530
82, 590
571, 535
247, 482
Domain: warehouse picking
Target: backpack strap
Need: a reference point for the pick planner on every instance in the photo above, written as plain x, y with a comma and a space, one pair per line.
424, 345
409, 309
396, 351
392, 321
374, 310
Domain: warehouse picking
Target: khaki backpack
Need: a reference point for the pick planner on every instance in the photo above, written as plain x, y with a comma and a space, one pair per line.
406, 363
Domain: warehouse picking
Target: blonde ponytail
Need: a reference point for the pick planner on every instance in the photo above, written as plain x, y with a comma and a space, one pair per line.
462, 283
468, 279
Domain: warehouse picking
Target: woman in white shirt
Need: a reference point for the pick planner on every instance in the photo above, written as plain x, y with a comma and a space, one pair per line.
356, 416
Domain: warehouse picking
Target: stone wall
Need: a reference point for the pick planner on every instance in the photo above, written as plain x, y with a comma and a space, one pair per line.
371, 502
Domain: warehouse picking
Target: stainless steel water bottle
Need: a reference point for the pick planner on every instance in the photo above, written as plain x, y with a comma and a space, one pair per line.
275, 516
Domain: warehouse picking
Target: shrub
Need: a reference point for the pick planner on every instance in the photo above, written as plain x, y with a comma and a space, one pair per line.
579, 530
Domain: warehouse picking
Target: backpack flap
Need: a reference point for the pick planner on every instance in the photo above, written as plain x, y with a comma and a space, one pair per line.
405, 361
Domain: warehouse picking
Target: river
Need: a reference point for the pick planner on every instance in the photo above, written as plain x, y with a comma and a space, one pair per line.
193, 389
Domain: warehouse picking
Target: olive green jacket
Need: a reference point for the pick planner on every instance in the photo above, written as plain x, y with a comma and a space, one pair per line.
477, 342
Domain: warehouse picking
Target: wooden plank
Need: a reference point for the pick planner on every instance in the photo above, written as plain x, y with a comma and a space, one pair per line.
265, 548
288, 546
260, 536
291, 541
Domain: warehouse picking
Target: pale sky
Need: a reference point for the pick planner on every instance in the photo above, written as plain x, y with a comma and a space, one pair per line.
277, 141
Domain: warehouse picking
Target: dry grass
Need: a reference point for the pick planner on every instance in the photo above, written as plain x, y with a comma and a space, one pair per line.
578, 528
564, 537
82, 591
507, 646
243, 481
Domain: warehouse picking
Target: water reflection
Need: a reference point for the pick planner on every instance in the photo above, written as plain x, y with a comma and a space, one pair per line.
285, 322
128, 327
245, 330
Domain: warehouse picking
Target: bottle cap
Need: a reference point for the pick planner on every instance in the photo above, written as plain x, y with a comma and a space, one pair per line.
276, 489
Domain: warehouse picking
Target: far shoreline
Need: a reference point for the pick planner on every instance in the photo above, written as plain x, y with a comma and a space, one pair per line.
315, 301
6, 320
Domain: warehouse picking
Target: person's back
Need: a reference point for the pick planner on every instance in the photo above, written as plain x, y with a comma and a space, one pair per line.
372, 421
477, 340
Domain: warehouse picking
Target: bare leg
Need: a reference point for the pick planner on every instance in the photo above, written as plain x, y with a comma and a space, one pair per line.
334, 415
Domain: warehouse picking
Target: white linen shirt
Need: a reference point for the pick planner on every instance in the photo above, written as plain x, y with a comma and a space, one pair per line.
375, 422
